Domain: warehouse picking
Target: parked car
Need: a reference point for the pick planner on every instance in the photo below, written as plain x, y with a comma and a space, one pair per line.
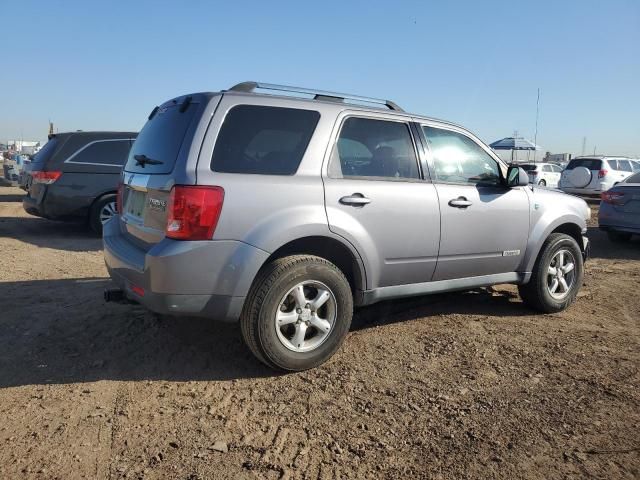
594, 175
543, 174
75, 176
619, 213
283, 213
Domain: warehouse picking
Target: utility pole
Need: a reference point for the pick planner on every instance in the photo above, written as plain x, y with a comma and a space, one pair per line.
594, 149
584, 145
535, 136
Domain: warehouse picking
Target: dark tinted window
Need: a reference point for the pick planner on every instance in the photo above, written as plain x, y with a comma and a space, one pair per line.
458, 159
161, 138
263, 140
376, 149
528, 168
590, 163
45, 153
103, 152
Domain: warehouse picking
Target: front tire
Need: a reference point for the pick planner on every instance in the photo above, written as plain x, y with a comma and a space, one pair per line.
298, 312
557, 275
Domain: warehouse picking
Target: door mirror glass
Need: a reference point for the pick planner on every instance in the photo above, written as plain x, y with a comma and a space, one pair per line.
517, 177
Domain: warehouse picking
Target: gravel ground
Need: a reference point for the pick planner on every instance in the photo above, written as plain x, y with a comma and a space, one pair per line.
463, 385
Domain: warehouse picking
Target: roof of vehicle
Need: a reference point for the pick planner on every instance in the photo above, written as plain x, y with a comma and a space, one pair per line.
309, 97
602, 157
93, 133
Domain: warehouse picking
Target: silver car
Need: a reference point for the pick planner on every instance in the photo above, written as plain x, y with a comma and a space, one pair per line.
285, 211
619, 213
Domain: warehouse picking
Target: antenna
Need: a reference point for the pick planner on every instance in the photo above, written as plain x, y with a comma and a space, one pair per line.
535, 136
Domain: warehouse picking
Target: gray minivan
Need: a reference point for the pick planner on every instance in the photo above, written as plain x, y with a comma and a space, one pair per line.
75, 176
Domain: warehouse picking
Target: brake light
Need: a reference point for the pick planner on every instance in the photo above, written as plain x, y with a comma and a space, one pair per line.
120, 198
46, 178
614, 198
602, 173
533, 173
193, 212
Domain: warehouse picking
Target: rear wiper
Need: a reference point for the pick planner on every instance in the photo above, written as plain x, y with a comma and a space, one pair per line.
143, 160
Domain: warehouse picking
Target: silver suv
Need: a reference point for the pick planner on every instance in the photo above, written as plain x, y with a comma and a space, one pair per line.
284, 212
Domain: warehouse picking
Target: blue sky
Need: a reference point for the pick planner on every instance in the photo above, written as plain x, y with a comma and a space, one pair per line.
104, 65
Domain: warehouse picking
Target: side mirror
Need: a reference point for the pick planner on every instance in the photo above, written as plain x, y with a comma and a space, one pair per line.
517, 177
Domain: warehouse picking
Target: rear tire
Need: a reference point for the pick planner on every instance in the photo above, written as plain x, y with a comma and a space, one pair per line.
280, 323
618, 237
546, 289
101, 210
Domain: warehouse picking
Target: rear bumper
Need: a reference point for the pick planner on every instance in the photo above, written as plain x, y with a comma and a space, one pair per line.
54, 203
201, 278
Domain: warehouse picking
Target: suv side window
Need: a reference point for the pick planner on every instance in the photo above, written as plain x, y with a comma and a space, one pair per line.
376, 149
547, 168
103, 152
458, 159
263, 140
624, 165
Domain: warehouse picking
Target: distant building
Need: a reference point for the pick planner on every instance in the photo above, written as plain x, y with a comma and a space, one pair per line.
24, 146
557, 157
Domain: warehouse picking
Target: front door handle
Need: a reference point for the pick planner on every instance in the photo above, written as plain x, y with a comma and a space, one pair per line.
355, 200
460, 202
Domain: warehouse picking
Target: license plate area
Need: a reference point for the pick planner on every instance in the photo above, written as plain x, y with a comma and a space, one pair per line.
134, 204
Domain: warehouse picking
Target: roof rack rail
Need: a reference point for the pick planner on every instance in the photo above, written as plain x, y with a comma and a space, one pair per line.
249, 87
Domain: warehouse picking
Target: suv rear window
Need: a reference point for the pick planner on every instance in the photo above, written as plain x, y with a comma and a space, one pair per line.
160, 139
263, 140
45, 153
528, 168
589, 163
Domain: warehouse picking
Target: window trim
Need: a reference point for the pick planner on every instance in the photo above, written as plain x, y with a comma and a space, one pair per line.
79, 151
502, 166
364, 115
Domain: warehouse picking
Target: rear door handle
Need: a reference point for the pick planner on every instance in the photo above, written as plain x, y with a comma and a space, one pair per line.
355, 200
460, 202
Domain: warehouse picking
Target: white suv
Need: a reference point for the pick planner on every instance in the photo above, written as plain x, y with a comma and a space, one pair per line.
593, 175
543, 174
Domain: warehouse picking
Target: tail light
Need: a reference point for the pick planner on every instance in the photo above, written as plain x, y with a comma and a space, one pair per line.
533, 173
193, 212
602, 173
614, 198
46, 178
120, 198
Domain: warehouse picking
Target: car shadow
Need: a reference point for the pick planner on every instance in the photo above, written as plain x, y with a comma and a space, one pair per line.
61, 331
69, 236
490, 302
602, 247
11, 197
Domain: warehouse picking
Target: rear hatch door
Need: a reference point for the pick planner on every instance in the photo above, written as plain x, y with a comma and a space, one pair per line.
581, 173
160, 158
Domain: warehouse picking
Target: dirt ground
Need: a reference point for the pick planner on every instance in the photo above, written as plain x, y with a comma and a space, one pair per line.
463, 385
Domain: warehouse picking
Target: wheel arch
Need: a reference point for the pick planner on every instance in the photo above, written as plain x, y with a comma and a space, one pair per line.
567, 225
99, 197
345, 257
